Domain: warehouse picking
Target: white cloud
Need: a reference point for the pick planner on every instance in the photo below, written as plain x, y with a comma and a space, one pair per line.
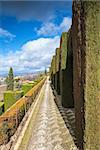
5, 33
34, 56
52, 29
66, 24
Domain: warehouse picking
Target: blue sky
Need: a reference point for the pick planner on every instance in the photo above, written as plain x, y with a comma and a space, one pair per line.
30, 32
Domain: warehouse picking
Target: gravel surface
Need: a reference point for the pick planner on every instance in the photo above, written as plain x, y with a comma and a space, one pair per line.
49, 131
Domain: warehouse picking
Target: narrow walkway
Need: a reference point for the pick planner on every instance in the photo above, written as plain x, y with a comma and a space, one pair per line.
49, 131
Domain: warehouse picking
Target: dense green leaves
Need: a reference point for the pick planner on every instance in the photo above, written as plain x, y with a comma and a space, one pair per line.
54, 64
57, 59
10, 97
10, 80
63, 50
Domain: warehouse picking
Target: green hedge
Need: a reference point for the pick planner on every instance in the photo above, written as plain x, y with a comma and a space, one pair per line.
64, 50
54, 64
51, 68
92, 87
10, 97
10, 120
57, 59
1, 107
86, 64
26, 87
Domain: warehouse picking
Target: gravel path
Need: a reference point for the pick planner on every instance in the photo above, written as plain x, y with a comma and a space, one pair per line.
49, 131
68, 115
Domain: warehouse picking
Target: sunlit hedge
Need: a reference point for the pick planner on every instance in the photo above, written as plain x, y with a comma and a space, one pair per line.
10, 97
26, 87
54, 64
51, 68
57, 59
64, 50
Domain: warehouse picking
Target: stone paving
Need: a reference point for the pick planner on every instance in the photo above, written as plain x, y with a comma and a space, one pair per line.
68, 115
49, 131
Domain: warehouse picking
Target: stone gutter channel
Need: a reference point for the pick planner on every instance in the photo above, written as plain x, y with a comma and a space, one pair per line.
16, 139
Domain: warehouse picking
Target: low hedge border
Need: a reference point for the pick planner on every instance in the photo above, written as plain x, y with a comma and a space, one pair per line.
10, 120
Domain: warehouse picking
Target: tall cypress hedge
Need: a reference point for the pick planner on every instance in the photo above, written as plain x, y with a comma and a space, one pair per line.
58, 70
66, 71
86, 63
54, 69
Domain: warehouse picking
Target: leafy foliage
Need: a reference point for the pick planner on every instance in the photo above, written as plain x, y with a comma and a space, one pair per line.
26, 87
10, 97
10, 80
64, 50
54, 64
57, 59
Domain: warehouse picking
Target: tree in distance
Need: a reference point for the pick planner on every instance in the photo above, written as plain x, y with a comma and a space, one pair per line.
10, 80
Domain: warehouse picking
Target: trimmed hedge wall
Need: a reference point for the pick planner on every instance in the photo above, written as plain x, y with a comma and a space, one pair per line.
57, 59
10, 97
80, 72
77, 87
57, 83
66, 71
63, 48
26, 87
51, 71
57, 67
54, 64
92, 90
86, 56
